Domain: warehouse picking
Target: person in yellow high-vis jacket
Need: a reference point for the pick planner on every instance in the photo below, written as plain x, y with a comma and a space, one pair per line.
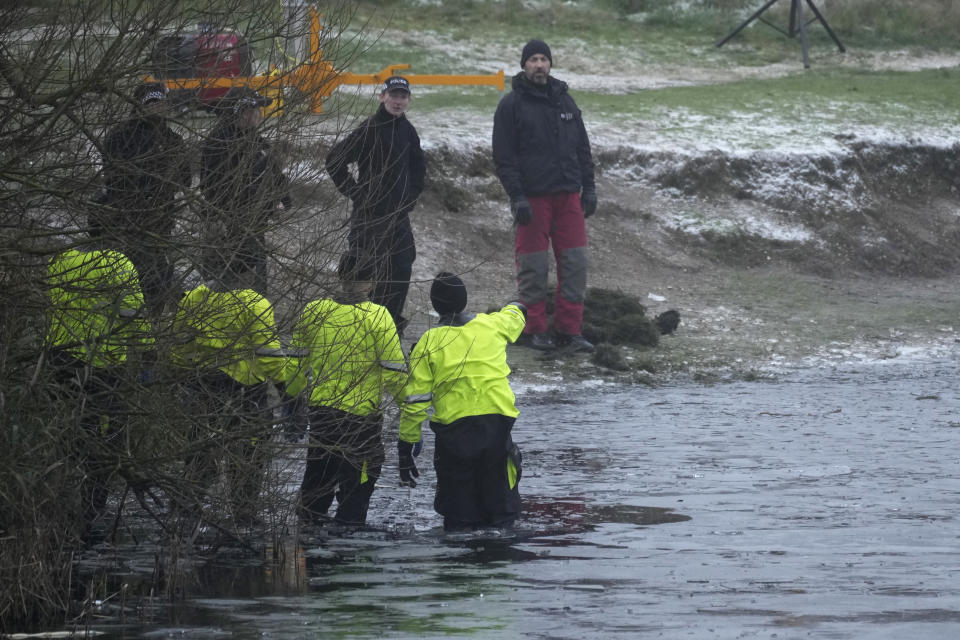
96, 305
95, 325
460, 369
350, 354
228, 339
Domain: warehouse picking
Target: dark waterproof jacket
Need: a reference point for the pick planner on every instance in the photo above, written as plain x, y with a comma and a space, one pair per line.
540, 145
145, 163
391, 167
240, 177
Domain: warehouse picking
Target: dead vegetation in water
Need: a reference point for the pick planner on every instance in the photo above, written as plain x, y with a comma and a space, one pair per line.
620, 328
615, 318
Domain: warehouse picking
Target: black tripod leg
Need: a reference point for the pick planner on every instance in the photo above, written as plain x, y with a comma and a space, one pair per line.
746, 22
798, 15
826, 26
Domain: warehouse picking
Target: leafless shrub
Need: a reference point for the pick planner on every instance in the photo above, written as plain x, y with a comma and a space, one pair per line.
68, 71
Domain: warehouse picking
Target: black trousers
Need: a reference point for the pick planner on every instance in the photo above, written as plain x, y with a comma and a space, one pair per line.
240, 260
470, 459
231, 429
344, 461
390, 242
236, 247
156, 276
142, 229
96, 447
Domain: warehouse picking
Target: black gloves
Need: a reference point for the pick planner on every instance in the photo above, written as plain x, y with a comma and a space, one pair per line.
522, 213
588, 202
408, 470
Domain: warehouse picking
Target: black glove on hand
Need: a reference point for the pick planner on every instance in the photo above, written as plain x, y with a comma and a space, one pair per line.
408, 470
522, 213
588, 201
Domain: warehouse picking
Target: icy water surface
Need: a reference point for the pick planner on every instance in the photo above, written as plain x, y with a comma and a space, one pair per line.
821, 505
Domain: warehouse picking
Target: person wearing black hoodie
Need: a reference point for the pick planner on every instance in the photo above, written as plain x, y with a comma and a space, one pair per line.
145, 164
243, 184
390, 178
542, 156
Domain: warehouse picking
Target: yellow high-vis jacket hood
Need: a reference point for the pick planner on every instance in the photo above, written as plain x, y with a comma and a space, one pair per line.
461, 371
351, 353
95, 301
233, 331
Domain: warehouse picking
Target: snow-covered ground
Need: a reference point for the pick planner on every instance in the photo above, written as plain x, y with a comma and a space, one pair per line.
604, 68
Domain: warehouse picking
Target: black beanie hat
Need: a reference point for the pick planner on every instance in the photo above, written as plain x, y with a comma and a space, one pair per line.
533, 47
448, 294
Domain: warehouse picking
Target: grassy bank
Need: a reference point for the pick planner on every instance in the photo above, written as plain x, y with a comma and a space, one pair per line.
653, 65
860, 23
935, 91
798, 111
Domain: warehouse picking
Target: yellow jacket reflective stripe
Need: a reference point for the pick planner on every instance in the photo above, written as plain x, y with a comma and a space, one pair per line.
353, 354
461, 371
233, 331
95, 301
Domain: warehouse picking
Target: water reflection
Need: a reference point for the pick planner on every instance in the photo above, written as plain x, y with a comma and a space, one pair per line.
572, 514
362, 573
281, 571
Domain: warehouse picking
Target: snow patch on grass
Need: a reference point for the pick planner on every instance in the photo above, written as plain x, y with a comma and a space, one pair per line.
739, 223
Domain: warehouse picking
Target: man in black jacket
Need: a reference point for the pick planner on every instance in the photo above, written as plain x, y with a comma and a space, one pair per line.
145, 163
243, 184
390, 176
542, 155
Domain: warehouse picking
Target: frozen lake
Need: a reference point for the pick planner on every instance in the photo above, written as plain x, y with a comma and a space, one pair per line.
818, 505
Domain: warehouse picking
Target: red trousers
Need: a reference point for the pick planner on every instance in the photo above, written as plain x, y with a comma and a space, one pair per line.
558, 219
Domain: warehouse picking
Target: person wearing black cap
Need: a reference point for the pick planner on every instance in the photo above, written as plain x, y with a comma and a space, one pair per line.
460, 370
243, 185
390, 177
145, 164
448, 296
542, 155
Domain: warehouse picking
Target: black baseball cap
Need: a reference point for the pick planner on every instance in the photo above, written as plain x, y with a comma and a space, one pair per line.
398, 83
240, 98
149, 92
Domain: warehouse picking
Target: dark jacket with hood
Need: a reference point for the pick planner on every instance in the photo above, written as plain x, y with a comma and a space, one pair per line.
540, 145
240, 177
391, 167
145, 164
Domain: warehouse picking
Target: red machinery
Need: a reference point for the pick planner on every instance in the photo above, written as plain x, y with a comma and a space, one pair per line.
201, 55
205, 65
